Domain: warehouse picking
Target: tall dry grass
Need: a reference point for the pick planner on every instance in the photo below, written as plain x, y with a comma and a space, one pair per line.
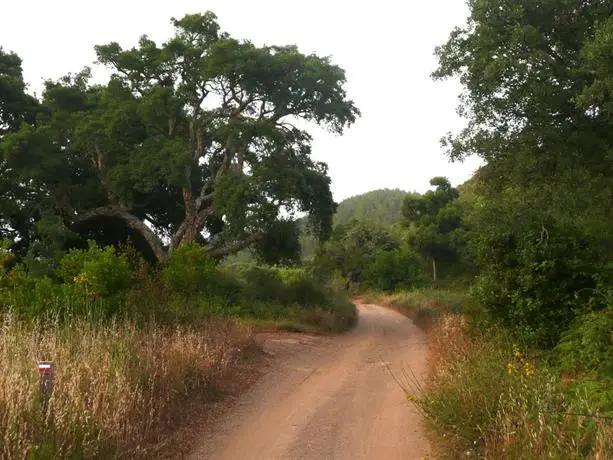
118, 387
488, 399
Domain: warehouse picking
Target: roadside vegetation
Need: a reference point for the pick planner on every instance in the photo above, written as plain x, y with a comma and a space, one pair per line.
136, 349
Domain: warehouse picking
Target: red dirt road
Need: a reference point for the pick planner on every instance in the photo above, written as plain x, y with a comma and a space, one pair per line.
329, 397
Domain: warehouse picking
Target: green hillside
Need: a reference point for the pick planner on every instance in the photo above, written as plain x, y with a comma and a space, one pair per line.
382, 207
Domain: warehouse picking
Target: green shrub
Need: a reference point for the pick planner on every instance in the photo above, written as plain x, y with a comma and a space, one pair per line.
302, 289
87, 282
229, 290
101, 271
491, 399
261, 284
587, 347
536, 282
189, 270
391, 270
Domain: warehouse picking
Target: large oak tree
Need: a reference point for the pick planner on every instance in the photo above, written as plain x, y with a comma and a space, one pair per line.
199, 139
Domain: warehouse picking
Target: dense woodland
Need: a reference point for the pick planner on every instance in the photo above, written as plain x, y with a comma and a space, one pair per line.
534, 224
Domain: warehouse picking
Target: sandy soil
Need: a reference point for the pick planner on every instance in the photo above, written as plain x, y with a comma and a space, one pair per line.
328, 397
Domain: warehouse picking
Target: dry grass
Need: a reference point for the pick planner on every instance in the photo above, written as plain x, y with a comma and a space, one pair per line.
488, 400
118, 387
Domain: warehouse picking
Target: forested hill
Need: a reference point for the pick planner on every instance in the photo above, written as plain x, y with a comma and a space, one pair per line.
382, 207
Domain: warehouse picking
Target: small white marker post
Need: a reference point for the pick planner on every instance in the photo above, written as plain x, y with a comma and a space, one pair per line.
46, 372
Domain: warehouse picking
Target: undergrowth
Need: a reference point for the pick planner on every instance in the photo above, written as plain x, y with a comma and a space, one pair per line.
135, 347
488, 397
492, 395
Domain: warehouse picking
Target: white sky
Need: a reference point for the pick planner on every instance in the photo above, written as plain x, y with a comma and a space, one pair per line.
386, 48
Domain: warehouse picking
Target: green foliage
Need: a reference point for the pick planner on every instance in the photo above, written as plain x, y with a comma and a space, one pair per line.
392, 270
352, 250
100, 284
304, 289
434, 221
189, 270
285, 286
280, 246
190, 136
16, 109
537, 282
490, 399
587, 347
15, 105
380, 207
88, 282
100, 271
536, 101
261, 284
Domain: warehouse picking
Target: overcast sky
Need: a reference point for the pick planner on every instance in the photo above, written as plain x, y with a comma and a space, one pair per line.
385, 46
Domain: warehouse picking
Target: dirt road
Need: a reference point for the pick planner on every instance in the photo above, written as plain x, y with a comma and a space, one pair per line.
329, 398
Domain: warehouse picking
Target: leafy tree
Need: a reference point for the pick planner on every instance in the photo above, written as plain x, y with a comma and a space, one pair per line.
536, 77
433, 221
280, 245
535, 99
17, 108
351, 249
390, 270
194, 140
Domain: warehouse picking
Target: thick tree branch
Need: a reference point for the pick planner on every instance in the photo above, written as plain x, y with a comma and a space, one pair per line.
204, 196
177, 237
132, 221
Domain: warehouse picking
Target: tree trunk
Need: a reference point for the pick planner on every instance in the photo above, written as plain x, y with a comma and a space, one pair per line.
434, 269
189, 236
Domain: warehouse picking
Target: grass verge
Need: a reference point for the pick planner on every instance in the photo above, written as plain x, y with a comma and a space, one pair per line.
488, 398
119, 388
340, 316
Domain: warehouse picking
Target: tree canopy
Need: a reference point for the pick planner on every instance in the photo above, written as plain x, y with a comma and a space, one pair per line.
434, 222
536, 77
195, 139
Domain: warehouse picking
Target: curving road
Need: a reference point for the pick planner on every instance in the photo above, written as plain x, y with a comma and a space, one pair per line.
329, 397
